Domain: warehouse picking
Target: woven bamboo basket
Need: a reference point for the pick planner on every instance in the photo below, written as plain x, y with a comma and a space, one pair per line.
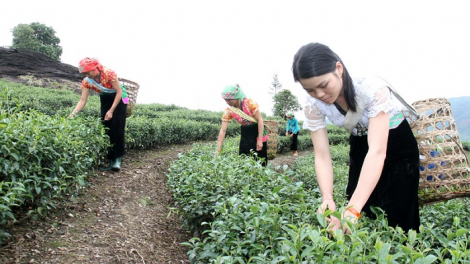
132, 89
271, 129
444, 166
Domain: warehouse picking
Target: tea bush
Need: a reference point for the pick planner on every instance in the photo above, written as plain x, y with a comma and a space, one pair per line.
44, 158
304, 140
251, 214
149, 126
305, 169
143, 133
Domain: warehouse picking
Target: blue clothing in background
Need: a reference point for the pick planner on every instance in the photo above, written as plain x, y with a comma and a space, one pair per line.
293, 125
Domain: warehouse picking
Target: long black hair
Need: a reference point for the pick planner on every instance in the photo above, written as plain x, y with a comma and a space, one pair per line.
315, 59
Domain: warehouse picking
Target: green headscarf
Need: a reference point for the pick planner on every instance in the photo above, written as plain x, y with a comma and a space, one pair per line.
233, 92
289, 114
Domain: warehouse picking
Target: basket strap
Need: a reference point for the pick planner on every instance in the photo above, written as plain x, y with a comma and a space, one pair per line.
101, 87
398, 96
352, 118
110, 91
243, 114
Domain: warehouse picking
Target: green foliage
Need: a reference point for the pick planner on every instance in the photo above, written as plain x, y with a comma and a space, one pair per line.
143, 133
37, 37
336, 136
304, 142
252, 214
44, 158
285, 101
52, 102
305, 169
248, 213
201, 179
147, 109
149, 126
179, 113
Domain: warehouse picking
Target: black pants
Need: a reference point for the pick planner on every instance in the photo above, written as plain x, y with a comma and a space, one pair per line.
115, 126
397, 190
249, 134
293, 144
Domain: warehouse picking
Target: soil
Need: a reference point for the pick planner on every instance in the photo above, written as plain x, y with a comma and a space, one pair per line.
121, 217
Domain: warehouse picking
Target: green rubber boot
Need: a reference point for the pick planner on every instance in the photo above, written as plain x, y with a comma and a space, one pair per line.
116, 165
111, 162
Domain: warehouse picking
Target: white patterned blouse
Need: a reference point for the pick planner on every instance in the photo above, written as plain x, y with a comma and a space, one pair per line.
379, 99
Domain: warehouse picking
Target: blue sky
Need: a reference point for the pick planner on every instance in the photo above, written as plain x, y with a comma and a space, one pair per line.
185, 52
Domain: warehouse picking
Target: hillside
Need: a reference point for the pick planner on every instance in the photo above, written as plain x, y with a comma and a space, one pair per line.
33, 68
461, 111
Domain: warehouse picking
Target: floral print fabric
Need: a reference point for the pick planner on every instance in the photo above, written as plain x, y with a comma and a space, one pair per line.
107, 77
250, 107
233, 92
88, 64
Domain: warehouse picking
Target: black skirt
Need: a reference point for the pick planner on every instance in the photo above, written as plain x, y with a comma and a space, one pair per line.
115, 126
397, 190
249, 134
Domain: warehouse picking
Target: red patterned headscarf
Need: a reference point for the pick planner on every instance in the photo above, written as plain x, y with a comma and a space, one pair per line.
88, 64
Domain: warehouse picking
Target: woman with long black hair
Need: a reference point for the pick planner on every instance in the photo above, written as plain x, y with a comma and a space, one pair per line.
384, 156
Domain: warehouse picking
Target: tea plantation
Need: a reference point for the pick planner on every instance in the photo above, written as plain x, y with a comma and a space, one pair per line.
239, 211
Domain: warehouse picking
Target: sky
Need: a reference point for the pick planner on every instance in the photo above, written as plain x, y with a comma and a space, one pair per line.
186, 52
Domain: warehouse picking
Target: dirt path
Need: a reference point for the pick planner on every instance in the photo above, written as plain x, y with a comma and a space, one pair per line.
121, 218
288, 159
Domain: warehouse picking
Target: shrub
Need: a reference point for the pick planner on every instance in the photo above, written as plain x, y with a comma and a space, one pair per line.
44, 158
252, 214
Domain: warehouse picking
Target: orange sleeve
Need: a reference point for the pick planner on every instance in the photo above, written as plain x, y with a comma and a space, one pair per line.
252, 105
227, 115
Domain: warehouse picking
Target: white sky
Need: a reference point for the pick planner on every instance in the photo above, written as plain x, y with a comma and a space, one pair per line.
186, 52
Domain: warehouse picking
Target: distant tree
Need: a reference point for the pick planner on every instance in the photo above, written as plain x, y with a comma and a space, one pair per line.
276, 86
284, 102
37, 37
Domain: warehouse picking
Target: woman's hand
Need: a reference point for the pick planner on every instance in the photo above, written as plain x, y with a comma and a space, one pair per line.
259, 144
81, 104
108, 115
287, 133
352, 215
72, 115
218, 150
334, 223
327, 204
